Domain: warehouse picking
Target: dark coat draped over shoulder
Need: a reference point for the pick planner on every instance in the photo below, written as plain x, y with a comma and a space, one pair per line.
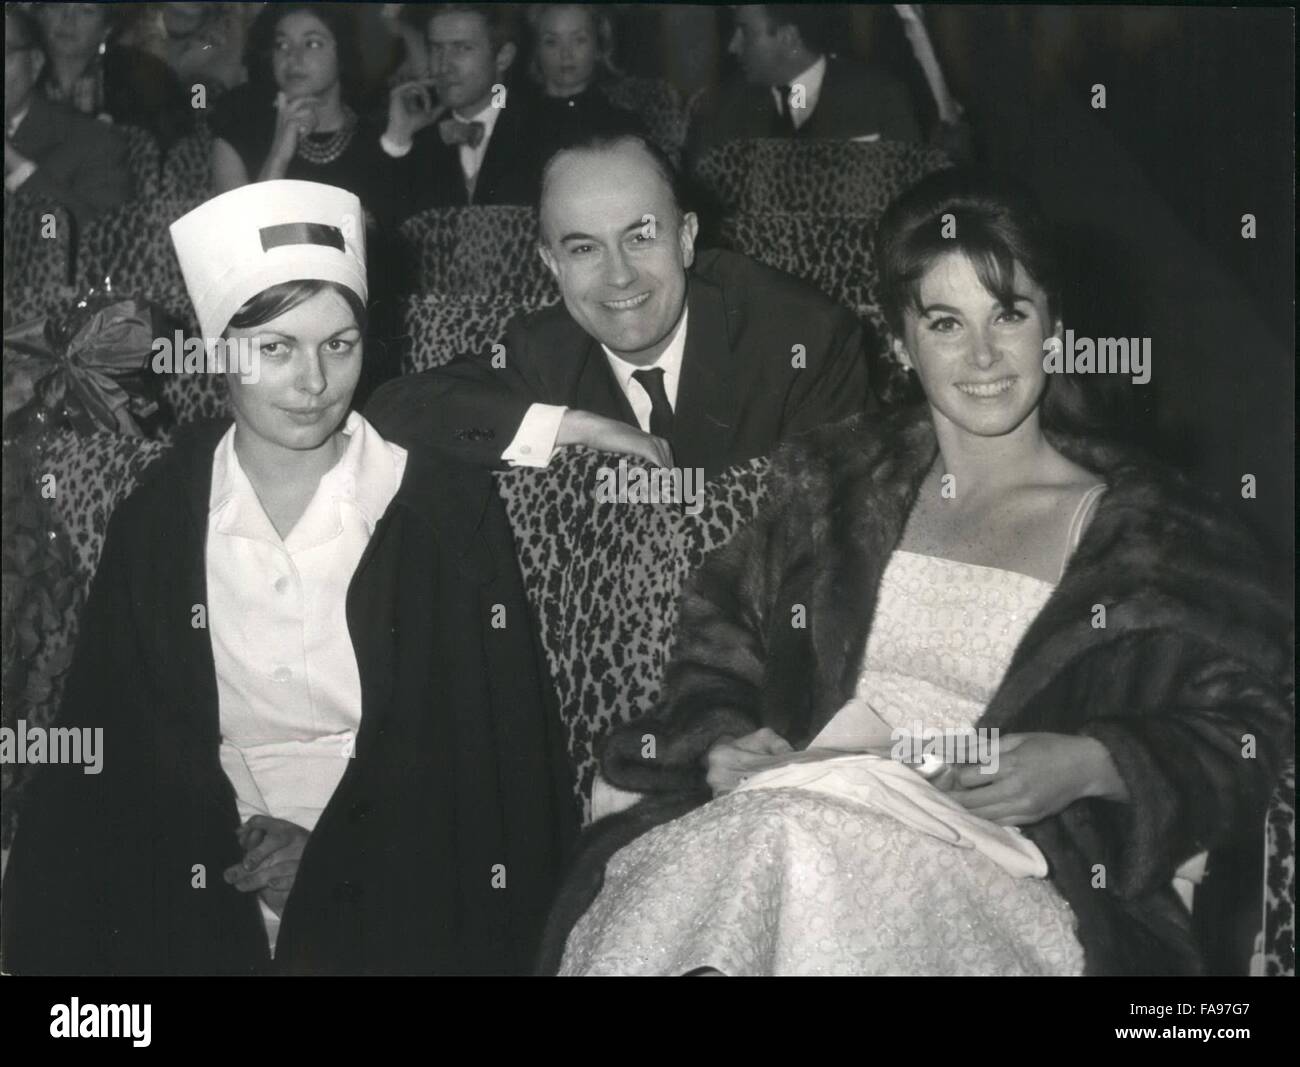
438, 851
1187, 684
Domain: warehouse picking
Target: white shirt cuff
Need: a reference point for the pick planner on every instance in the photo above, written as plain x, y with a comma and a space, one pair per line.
392, 148
534, 442
19, 175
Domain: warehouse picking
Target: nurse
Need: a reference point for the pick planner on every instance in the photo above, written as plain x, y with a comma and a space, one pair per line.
320, 755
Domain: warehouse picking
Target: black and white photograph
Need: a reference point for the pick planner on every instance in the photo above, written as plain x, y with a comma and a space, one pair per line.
648, 490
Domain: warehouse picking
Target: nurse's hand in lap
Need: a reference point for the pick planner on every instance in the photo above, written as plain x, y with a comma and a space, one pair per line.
733, 759
272, 849
1036, 776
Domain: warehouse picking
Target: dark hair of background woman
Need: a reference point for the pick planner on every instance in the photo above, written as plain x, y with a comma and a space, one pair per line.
339, 19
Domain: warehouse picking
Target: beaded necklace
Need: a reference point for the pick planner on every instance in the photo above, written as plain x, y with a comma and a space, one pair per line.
329, 149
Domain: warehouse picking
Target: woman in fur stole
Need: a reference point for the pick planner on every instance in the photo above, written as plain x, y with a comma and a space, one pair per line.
966, 695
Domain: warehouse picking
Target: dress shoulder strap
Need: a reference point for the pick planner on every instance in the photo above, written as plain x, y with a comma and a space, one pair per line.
1079, 521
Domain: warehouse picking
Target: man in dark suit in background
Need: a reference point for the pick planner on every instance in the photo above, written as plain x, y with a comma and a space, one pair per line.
52, 150
477, 144
793, 88
681, 358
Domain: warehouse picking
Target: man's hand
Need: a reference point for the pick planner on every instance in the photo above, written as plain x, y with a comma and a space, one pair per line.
610, 435
411, 108
1038, 775
733, 759
272, 851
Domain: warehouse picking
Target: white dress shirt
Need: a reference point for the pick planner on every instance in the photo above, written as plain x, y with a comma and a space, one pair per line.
811, 80
471, 159
288, 686
534, 442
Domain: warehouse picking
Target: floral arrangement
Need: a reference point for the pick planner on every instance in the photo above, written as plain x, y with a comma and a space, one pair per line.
86, 368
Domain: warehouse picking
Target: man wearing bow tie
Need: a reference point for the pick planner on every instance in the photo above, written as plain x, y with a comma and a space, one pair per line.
475, 145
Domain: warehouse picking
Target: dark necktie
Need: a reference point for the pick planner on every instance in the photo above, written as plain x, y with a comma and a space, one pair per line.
454, 132
786, 114
661, 412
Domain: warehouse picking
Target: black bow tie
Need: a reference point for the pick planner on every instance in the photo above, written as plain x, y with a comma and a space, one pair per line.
454, 132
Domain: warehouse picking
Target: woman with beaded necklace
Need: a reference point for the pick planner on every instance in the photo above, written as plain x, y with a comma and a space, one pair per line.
306, 55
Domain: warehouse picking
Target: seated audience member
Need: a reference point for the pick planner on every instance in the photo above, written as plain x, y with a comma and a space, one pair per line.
51, 149
308, 130
954, 558
90, 71
202, 43
792, 87
695, 359
477, 142
288, 649
572, 61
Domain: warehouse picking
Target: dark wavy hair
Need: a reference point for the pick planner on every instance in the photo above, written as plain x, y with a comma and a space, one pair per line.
339, 19
273, 302
996, 223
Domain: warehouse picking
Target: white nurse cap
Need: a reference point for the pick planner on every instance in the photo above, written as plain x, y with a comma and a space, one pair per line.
239, 243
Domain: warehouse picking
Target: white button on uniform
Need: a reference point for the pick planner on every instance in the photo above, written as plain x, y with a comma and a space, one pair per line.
281, 674
281, 584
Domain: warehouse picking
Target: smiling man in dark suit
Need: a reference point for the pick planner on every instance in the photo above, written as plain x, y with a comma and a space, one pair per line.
477, 143
52, 150
792, 87
682, 358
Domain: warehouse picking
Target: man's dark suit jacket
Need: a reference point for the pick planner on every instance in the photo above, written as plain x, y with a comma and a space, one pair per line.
430, 174
855, 101
738, 394
80, 162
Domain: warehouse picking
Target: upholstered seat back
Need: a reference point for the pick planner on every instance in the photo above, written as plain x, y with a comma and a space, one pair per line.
835, 177
657, 104
480, 251
603, 580
144, 159
38, 245
439, 327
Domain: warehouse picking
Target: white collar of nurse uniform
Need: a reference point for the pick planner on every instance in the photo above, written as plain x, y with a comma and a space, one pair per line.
235, 245
364, 481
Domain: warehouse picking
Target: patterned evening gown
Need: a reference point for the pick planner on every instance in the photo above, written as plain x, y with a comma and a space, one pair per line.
791, 881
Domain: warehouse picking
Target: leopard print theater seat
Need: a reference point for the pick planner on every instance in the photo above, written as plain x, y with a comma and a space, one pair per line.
657, 104
439, 328
132, 246
835, 177
38, 246
92, 475
832, 252
484, 250
195, 397
145, 161
186, 170
1278, 955
603, 581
